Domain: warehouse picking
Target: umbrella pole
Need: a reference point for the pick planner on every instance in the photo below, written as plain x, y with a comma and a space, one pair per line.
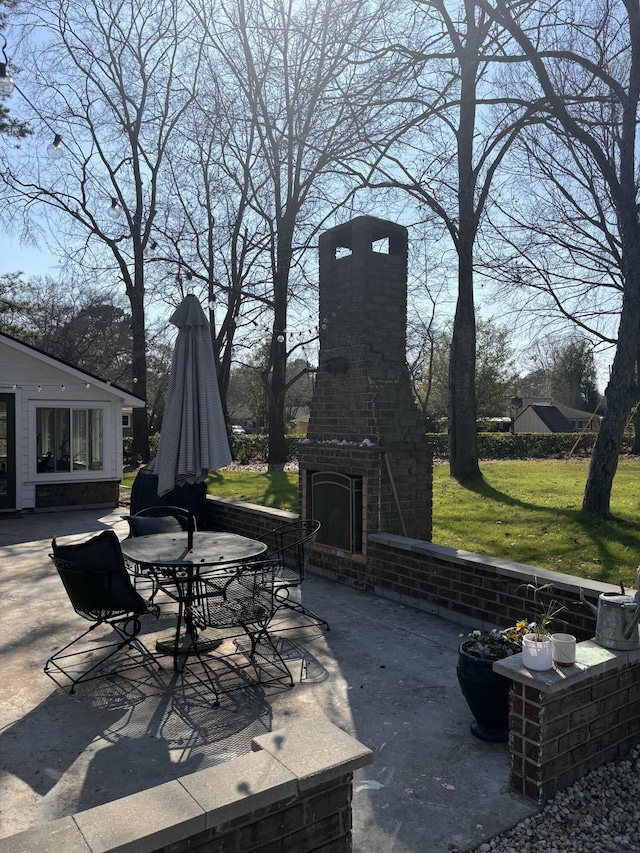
190, 524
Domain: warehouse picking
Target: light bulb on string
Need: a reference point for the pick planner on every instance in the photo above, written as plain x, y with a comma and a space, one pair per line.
150, 249
115, 209
54, 149
6, 83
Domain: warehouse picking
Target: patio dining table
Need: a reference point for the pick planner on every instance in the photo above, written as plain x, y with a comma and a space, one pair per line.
167, 558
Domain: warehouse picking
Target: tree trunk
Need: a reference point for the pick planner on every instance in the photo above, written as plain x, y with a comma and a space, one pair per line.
276, 390
463, 439
140, 421
635, 449
622, 391
277, 427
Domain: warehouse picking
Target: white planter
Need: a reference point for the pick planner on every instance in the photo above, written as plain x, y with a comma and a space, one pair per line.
537, 654
564, 649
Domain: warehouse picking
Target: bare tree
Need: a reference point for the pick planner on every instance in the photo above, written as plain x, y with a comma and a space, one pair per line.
446, 157
586, 62
302, 99
113, 81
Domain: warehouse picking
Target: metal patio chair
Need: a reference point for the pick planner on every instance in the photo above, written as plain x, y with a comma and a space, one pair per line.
100, 590
147, 522
158, 519
236, 600
290, 545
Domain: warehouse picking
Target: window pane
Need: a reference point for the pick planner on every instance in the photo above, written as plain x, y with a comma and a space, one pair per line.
80, 437
65, 434
62, 443
95, 440
45, 440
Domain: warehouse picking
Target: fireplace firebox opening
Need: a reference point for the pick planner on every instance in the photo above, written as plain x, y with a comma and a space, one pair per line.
336, 502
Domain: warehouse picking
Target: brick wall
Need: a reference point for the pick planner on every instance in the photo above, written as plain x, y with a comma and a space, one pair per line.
475, 590
291, 794
318, 821
250, 520
481, 590
563, 725
78, 494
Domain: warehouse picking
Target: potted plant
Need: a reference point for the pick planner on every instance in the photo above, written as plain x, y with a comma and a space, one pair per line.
537, 648
486, 692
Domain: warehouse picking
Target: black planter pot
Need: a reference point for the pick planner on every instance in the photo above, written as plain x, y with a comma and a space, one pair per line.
487, 696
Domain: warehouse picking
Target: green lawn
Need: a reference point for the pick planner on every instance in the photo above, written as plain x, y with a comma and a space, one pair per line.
524, 511
530, 512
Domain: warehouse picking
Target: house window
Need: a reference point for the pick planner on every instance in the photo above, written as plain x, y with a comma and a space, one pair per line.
126, 421
69, 439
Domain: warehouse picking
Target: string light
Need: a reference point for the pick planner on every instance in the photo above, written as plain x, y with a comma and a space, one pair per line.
6, 83
62, 387
115, 209
54, 150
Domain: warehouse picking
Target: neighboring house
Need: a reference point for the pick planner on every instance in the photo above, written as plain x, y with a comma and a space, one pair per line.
551, 416
60, 432
301, 420
127, 420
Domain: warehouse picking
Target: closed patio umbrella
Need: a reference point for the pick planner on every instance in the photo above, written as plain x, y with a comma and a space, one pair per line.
193, 439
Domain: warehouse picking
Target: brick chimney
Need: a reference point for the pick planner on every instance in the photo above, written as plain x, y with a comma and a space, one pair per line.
366, 465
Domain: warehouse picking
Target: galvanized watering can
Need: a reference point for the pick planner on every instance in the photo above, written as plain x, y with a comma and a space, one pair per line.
617, 618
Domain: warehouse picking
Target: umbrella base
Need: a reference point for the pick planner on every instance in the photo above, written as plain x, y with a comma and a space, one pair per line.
166, 644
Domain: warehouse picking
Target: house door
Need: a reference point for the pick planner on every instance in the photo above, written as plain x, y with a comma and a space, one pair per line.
7, 451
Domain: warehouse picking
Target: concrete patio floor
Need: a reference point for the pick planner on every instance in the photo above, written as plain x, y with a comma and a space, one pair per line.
385, 673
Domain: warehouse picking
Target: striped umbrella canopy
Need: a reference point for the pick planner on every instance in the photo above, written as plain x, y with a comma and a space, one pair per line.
193, 439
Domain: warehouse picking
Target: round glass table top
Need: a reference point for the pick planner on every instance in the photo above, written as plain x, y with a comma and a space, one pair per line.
210, 548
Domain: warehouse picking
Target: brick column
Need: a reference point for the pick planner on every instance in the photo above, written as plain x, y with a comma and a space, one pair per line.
565, 722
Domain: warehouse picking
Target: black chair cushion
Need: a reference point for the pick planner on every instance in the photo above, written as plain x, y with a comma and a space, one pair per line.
146, 525
100, 574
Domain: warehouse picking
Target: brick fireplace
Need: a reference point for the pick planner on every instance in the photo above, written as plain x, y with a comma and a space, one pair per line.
365, 465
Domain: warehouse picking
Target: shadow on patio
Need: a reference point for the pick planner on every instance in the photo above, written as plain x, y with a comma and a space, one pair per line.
385, 674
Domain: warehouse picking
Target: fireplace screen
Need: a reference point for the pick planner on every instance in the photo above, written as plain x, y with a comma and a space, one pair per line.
336, 502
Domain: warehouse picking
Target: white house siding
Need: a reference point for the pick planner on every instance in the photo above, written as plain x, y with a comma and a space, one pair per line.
529, 421
37, 380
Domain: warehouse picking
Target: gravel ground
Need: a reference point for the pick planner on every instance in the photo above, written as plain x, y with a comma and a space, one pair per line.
597, 814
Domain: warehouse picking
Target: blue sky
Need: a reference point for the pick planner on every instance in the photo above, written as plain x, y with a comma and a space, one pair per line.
14, 257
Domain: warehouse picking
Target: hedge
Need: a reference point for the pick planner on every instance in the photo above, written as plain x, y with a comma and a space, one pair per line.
491, 445
244, 448
522, 445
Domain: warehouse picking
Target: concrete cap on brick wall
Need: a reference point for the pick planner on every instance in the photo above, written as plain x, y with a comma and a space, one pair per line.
282, 764
315, 751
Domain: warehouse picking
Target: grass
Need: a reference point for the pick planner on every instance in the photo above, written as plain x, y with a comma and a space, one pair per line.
277, 489
527, 511
530, 512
